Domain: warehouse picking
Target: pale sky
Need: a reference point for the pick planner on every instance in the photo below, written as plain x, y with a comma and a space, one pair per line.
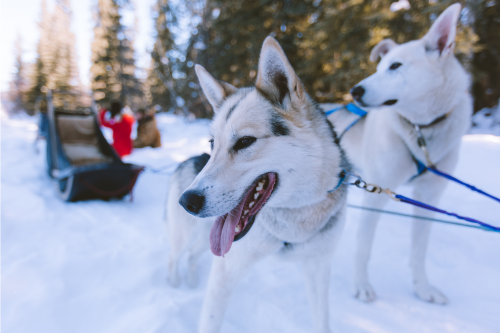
22, 16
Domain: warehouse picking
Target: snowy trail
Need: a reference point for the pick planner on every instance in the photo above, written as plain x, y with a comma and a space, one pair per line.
101, 266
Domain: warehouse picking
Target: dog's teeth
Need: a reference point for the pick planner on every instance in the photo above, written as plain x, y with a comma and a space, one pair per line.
255, 196
237, 228
251, 204
258, 188
245, 212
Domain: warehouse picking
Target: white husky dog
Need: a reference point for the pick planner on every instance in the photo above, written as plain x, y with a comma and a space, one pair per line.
416, 83
274, 158
185, 233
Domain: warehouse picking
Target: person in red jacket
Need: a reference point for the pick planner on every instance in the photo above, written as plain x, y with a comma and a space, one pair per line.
121, 124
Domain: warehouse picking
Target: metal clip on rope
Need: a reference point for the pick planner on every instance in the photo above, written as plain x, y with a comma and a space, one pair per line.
361, 184
372, 188
423, 145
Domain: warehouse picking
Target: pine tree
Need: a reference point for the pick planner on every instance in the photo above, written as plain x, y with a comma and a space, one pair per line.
485, 18
239, 30
190, 90
161, 90
113, 67
229, 39
55, 67
39, 76
18, 83
64, 74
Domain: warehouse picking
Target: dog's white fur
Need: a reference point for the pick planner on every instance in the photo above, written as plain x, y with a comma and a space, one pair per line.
185, 233
307, 160
429, 83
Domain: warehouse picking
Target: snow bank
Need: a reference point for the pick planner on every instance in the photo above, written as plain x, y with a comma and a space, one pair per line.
101, 266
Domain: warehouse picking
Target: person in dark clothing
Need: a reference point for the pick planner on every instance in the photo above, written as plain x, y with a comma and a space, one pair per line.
147, 131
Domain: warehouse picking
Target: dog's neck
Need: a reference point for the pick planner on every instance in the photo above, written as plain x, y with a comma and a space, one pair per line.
431, 124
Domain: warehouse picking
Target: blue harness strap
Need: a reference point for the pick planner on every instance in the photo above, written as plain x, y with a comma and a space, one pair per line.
342, 177
329, 112
421, 168
356, 110
351, 108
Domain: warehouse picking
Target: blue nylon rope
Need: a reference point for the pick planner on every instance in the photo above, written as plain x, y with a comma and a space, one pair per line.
437, 210
471, 187
422, 167
420, 217
401, 198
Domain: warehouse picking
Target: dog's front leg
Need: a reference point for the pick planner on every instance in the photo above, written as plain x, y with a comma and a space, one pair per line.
428, 188
224, 276
366, 232
226, 273
429, 192
317, 278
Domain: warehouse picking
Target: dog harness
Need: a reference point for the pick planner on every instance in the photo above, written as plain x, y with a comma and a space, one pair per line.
352, 109
421, 167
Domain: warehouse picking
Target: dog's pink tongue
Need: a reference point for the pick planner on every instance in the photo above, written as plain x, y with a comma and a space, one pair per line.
222, 233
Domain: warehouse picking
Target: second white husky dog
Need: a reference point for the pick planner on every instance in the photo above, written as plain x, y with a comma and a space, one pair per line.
274, 159
416, 83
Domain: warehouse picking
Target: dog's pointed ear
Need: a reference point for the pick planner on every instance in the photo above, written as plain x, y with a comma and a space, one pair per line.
276, 78
382, 48
441, 35
216, 91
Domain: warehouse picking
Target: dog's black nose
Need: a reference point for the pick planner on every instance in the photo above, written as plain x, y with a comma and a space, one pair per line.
192, 201
357, 92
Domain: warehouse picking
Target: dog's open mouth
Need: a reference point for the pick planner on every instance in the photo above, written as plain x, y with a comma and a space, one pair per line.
235, 224
390, 102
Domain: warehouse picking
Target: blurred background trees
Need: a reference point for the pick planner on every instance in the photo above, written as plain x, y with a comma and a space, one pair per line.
327, 41
159, 89
18, 85
55, 67
484, 17
113, 71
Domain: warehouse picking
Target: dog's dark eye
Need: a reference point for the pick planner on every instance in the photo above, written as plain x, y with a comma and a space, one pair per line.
244, 142
395, 65
211, 144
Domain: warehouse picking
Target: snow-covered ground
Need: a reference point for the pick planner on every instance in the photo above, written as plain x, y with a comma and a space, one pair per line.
101, 266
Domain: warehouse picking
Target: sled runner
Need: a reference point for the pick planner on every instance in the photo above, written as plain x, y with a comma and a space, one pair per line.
81, 161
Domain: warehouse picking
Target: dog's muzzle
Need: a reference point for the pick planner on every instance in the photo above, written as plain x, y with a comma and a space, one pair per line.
192, 201
357, 93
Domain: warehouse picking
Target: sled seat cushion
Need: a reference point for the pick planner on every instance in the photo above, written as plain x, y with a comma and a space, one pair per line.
79, 140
